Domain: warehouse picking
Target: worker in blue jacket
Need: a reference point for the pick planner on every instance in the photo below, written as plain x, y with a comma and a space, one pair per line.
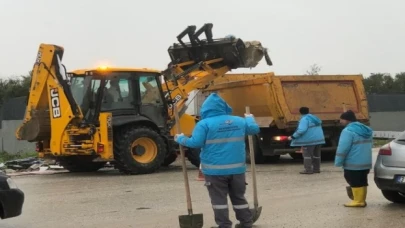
309, 136
354, 154
221, 138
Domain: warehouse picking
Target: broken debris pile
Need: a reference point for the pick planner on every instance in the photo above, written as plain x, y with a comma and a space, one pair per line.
29, 164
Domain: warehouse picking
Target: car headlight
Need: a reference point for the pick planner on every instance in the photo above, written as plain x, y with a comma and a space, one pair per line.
11, 184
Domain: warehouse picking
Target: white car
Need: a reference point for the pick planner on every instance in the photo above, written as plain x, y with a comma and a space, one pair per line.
389, 170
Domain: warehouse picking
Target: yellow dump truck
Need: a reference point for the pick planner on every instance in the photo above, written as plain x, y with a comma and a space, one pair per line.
275, 102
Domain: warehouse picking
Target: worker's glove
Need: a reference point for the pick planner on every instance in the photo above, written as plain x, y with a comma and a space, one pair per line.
291, 138
248, 115
177, 135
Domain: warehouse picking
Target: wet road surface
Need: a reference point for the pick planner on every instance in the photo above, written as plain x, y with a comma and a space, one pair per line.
108, 199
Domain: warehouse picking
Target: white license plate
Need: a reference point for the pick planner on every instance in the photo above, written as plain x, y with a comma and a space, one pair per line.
401, 180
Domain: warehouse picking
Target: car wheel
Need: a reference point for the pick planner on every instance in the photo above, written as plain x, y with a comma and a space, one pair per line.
394, 196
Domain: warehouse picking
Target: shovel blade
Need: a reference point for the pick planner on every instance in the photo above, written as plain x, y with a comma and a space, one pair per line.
256, 212
191, 221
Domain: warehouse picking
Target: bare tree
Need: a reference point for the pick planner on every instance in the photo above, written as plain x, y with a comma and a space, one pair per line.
314, 69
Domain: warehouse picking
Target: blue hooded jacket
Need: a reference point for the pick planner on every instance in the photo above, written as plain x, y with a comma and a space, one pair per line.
221, 138
309, 132
354, 151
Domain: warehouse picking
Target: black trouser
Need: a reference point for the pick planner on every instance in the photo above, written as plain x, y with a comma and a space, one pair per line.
312, 158
235, 185
357, 178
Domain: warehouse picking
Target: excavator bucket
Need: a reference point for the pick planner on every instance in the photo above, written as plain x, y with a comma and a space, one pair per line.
234, 51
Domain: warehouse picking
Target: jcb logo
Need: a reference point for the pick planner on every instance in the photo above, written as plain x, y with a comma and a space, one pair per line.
39, 57
56, 113
176, 99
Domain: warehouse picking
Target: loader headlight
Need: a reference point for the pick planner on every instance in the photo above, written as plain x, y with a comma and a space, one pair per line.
102, 67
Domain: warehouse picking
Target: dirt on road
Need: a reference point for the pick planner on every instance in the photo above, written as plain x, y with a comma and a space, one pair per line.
107, 199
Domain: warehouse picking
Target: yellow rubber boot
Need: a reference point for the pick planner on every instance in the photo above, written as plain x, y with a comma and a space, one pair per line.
365, 195
359, 197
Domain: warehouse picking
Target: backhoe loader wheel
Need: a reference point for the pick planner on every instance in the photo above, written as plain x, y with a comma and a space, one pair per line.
139, 150
193, 155
169, 159
80, 164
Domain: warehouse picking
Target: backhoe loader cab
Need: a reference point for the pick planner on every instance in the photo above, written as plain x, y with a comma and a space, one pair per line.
135, 99
124, 93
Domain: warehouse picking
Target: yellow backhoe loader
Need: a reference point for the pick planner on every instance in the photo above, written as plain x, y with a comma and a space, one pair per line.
86, 118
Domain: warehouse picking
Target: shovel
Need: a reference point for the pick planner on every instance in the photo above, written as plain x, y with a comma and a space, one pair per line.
256, 211
190, 220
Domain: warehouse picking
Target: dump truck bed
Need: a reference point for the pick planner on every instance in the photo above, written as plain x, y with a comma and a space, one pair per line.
275, 100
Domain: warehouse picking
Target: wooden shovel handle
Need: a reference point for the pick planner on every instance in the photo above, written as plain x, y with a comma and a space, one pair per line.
252, 165
183, 163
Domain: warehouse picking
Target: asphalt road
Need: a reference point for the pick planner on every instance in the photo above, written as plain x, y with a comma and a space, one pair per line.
108, 199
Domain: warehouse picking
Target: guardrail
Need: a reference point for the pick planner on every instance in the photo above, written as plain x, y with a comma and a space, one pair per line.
386, 134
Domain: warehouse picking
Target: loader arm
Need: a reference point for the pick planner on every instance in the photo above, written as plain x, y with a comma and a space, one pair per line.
196, 64
51, 106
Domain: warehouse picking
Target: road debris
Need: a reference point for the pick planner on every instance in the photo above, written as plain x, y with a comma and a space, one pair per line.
31, 165
25, 163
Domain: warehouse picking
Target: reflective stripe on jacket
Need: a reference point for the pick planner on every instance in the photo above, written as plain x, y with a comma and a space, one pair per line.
309, 132
354, 151
221, 138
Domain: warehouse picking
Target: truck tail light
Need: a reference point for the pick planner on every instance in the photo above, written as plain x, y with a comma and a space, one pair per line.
280, 138
385, 150
100, 148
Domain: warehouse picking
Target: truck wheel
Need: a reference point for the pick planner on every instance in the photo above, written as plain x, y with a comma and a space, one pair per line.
77, 164
296, 156
170, 159
139, 150
259, 158
394, 196
328, 156
272, 159
193, 155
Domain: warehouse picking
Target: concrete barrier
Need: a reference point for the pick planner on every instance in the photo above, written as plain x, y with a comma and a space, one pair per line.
8, 141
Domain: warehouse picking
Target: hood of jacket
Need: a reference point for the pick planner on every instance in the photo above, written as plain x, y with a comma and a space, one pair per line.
360, 129
313, 119
214, 105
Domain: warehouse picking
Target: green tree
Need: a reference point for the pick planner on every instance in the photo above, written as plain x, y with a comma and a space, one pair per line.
400, 82
14, 87
381, 83
314, 69
378, 83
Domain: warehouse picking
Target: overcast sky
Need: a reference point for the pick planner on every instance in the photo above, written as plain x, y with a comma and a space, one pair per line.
343, 37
